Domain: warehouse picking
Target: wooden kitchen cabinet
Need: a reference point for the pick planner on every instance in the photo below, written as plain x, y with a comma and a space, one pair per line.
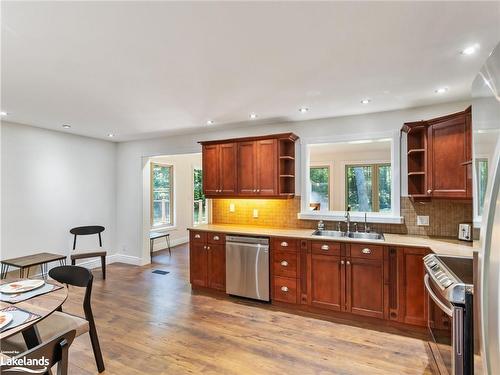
207, 260
219, 169
440, 157
365, 287
412, 304
252, 167
327, 282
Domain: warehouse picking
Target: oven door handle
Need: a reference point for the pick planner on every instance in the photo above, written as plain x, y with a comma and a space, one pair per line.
435, 298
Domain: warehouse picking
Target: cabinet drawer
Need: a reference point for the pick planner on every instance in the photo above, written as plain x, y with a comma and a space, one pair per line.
285, 244
367, 251
216, 238
285, 289
285, 264
325, 248
197, 236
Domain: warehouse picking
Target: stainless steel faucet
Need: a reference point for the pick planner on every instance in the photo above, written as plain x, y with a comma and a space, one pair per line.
321, 225
348, 219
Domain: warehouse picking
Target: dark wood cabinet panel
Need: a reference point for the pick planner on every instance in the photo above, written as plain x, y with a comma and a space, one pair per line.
207, 260
285, 263
448, 160
227, 168
198, 264
246, 167
266, 167
211, 173
285, 289
260, 167
365, 287
216, 266
413, 301
326, 282
440, 157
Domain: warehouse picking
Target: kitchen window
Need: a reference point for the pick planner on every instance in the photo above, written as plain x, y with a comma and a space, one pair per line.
368, 187
162, 195
200, 204
319, 199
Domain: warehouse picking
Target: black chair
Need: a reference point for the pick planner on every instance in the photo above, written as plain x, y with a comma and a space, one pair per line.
55, 350
59, 321
85, 231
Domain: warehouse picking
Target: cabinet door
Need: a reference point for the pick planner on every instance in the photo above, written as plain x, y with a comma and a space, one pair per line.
246, 168
326, 282
216, 266
448, 158
267, 166
413, 296
227, 168
198, 263
211, 169
365, 287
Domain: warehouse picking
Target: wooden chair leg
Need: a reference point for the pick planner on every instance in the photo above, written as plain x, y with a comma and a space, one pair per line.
96, 347
103, 266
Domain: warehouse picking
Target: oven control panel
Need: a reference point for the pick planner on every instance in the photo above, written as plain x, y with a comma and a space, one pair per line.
437, 272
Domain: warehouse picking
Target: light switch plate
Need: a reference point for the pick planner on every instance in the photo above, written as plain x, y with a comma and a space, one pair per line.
232, 208
255, 213
423, 221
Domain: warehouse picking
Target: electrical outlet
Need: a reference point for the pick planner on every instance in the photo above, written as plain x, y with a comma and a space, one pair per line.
232, 208
255, 213
423, 221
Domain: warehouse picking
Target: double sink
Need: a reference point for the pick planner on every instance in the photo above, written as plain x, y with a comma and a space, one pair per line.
355, 235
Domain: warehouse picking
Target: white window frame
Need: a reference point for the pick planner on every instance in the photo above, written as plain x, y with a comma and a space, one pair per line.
208, 204
172, 197
393, 217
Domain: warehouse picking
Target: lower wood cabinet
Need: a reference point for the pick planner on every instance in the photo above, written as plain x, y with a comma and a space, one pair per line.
326, 282
207, 260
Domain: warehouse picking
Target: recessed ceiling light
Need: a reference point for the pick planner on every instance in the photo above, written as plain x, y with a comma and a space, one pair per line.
111, 135
66, 126
303, 110
365, 101
210, 122
3, 113
253, 116
470, 50
441, 90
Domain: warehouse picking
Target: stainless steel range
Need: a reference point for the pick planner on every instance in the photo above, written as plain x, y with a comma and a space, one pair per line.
449, 282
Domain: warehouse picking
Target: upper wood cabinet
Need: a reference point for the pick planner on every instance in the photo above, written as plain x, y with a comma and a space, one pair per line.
440, 157
254, 167
219, 169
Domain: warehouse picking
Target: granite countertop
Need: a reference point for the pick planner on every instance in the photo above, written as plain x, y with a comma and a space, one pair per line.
440, 246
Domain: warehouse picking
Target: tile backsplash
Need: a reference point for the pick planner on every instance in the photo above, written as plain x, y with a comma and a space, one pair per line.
444, 215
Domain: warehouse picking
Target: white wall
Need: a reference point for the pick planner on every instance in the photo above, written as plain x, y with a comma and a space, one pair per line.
130, 237
50, 182
183, 166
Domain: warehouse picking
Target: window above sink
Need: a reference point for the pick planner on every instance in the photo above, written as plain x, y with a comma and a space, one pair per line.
361, 172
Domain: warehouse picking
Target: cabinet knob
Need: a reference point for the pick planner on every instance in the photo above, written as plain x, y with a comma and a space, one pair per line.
284, 289
208, 247
325, 247
366, 251
258, 190
284, 263
254, 190
205, 247
284, 244
197, 236
348, 263
342, 262
429, 191
216, 238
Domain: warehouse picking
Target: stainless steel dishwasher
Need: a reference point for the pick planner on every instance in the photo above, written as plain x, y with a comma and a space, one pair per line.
247, 267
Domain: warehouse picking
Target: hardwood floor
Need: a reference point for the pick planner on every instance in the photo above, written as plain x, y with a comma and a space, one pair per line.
153, 324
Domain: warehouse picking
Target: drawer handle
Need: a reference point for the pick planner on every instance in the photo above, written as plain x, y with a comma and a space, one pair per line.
366, 251
216, 238
197, 236
284, 263
284, 244
284, 289
325, 247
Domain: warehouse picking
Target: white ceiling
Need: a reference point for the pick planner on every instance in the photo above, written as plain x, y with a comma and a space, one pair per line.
139, 69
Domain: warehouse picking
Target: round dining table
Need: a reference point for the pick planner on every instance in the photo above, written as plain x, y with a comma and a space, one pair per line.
43, 305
